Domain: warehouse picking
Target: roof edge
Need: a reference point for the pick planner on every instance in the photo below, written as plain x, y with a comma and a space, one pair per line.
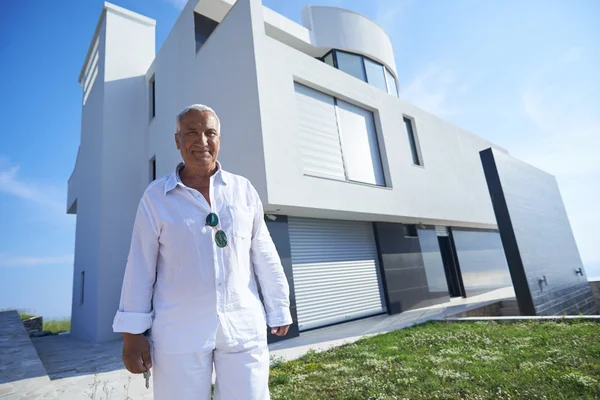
117, 10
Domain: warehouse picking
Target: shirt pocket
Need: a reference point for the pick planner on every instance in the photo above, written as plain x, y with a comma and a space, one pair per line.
242, 221
242, 224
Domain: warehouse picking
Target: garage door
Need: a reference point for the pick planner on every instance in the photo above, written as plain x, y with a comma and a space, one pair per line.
336, 271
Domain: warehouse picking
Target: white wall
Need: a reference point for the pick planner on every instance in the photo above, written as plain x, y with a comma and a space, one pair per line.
130, 49
449, 189
112, 170
337, 28
222, 75
89, 197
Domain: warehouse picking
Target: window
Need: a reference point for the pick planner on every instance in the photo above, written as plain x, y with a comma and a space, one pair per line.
152, 96
410, 231
338, 140
391, 83
91, 72
359, 144
364, 69
375, 74
153, 169
351, 64
412, 141
328, 59
203, 28
82, 287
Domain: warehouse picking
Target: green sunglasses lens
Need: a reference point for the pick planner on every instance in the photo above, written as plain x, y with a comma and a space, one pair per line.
221, 239
212, 220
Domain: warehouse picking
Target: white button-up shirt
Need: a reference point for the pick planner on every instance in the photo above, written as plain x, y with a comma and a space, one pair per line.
182, 285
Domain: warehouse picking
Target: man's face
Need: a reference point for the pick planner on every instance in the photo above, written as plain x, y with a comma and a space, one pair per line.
198, 138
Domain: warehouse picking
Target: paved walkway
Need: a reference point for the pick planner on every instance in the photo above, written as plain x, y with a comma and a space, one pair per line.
73, 366
22, 375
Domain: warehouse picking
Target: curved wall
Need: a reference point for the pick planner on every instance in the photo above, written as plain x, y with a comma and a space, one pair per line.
337, 28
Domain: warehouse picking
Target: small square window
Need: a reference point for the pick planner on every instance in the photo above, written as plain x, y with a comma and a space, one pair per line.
410, 231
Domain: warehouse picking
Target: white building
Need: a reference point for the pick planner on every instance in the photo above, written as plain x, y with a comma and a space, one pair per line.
359, 186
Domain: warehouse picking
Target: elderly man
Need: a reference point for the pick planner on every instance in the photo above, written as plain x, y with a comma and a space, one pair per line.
199, 240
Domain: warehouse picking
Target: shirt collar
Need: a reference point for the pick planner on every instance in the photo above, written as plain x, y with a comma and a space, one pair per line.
173, 180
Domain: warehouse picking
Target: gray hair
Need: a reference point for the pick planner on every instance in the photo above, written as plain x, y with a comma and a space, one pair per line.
199, 107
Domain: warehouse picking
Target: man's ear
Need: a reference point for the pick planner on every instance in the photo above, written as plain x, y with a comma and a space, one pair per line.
177, 141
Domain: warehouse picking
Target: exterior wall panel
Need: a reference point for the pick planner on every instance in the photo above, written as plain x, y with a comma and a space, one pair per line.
548, 275
450, 187
412, 271
482, 261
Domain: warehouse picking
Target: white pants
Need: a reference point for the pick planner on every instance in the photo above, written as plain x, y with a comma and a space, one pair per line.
242, 373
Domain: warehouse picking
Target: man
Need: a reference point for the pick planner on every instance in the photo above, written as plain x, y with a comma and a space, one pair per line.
198, 240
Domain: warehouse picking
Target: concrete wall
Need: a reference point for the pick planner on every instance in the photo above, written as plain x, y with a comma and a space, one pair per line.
111, 170
88, 169
130, 50
539, 244
223, 74
337, 28
449, 190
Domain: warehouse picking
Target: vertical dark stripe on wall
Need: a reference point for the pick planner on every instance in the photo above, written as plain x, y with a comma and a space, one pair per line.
507, 234
461, 284
382, 271
278, 228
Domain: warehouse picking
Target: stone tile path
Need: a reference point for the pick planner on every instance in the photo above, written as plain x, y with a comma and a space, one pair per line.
22, 375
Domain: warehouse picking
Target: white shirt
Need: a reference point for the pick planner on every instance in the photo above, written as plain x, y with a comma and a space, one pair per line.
199, 285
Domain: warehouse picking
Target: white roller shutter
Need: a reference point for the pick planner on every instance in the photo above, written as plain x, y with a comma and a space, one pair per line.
318, 133
335, 267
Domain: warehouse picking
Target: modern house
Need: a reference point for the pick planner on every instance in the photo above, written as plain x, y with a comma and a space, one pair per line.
375, 205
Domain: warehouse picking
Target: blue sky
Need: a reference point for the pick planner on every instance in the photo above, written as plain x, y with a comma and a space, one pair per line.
521, 74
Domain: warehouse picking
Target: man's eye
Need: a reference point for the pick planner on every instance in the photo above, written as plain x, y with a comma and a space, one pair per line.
191, 133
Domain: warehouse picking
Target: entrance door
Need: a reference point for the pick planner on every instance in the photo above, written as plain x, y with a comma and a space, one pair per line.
455, 287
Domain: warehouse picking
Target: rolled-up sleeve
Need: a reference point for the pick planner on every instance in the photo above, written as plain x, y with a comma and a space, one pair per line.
135, 309
268, 268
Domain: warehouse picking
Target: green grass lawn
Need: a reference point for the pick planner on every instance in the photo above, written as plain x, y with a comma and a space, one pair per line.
57, 326
54, 326
25, 316
458, 360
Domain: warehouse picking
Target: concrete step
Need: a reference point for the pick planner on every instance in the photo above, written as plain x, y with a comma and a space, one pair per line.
509, 312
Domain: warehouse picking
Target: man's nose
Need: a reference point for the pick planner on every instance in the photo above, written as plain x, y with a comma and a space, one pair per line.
203, 139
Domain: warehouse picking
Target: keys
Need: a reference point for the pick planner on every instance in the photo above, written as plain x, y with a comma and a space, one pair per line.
147, 377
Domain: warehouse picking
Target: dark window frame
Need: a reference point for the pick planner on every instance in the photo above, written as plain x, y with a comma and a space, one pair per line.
152, 93
413, 140
152, 169
334, 53
82, 288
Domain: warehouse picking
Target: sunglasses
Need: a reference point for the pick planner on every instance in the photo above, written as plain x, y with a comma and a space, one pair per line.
212, 220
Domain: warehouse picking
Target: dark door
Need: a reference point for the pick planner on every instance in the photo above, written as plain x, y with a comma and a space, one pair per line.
450, 267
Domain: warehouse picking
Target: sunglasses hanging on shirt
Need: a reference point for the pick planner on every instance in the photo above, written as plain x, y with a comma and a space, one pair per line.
212, 220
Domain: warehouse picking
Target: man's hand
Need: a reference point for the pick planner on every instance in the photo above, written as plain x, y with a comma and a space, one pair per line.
136, 353
280, 330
